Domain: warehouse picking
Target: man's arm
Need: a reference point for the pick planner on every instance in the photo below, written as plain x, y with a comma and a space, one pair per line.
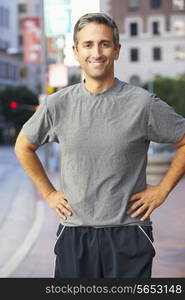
154, 196
26, 153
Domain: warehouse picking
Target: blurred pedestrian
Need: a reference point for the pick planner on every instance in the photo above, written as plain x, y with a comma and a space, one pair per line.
104, 127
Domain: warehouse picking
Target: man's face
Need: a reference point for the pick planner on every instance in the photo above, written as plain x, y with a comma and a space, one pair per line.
96, 51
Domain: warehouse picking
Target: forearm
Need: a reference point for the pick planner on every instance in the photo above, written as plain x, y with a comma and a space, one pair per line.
175, 171
33, 167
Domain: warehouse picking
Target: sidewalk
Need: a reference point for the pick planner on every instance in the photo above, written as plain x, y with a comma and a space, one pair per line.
40, 259
169, 235
27, 224
17, 208
39, 262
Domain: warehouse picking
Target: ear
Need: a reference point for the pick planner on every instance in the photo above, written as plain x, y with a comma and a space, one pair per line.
117, 51
75, 51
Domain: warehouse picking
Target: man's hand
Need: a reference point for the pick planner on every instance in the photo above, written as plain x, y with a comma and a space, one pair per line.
146, 201
57, 200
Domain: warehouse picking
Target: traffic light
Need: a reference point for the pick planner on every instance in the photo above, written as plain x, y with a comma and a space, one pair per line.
13, 105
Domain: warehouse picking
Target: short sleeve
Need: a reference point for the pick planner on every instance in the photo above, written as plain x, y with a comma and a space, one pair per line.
39, 128
164, 124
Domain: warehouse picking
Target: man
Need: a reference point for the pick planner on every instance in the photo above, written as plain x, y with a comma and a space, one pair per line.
104, 127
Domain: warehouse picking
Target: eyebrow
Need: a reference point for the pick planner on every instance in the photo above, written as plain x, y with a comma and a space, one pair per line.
85, 42
102, 41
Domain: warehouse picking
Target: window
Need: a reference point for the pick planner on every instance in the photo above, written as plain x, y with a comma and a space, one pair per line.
180, 52
23, 72
20, 40
133, 5
14, 72
156, 53
6, 67
155, 4
155, 28
134, 54
178, 4
22, 8
179, 26
133, 29
9, 71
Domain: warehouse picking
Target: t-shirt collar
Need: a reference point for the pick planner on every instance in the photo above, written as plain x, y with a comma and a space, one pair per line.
113, 88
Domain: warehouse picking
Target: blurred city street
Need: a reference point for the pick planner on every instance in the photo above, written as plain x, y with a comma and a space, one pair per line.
37, 39
28, 226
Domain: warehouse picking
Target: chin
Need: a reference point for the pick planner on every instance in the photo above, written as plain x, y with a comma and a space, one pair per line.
98, 76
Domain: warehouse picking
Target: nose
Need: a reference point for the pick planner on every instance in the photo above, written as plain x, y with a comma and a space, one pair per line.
96, 52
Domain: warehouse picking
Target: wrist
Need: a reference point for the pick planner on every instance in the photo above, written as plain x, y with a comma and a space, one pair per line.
47, 195
164, 189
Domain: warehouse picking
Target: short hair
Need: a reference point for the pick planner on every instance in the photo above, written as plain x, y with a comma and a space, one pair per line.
99, 18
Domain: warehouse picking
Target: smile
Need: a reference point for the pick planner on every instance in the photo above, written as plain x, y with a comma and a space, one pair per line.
97, 63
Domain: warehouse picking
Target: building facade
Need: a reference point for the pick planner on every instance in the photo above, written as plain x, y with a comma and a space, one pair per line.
152, 35
10, 63
13, 70
30, 73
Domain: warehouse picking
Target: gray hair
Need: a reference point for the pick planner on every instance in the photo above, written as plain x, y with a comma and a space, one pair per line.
98, 18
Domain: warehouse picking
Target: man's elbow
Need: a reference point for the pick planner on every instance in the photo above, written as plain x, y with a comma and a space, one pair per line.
22, 145
181, 142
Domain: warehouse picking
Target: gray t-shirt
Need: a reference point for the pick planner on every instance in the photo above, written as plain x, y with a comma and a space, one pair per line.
104, 139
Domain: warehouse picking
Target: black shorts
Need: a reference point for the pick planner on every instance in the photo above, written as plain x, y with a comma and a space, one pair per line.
109, 252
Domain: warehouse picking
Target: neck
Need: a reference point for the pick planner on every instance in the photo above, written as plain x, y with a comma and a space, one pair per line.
98, 86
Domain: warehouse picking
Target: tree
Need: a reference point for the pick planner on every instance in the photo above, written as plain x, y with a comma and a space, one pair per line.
171, 90
18, 104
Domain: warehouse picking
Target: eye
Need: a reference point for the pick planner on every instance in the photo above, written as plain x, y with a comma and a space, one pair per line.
87, 45
105, 44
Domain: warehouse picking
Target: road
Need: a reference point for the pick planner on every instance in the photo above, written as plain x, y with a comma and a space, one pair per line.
28, 226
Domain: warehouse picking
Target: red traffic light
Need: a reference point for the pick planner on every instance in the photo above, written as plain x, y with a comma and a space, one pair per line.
13, 105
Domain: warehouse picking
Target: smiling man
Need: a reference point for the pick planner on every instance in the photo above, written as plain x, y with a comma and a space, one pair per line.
104, 127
